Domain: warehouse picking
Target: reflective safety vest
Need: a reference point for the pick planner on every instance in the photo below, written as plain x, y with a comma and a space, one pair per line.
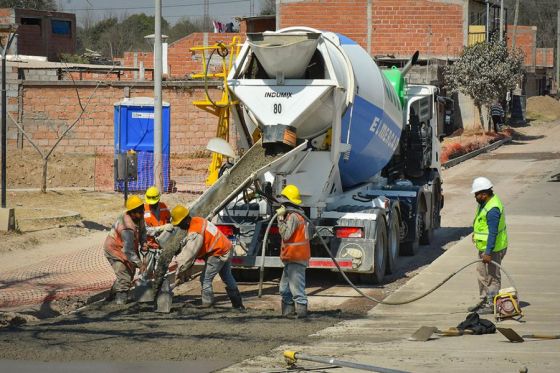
480, 226
114, 244
297, 248
215, 242
151, 220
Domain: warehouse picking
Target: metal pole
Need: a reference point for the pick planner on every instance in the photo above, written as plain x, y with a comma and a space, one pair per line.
292, 356
158, 179
4, 127
487, 21
558, 55
515, 18
502, 20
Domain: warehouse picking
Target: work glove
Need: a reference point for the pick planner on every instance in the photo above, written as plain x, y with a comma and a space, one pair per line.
486, 258
281, 211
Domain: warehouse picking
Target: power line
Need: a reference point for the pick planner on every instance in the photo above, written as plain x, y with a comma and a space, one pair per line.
163, 6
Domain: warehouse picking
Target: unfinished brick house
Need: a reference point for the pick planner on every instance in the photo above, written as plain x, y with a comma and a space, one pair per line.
42, 33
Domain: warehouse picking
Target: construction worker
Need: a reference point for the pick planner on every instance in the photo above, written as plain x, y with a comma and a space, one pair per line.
295, 252
491, 240
156, 214
203, 240
121, 246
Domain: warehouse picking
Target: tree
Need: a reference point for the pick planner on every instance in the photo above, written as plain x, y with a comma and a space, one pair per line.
268, 8
46, 153
29, 4
485, 72
112, 37
183, 27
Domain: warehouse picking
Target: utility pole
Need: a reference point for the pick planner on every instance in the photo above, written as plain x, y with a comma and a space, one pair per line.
558, 53
515, 18
502, 20
9, 31
158, 177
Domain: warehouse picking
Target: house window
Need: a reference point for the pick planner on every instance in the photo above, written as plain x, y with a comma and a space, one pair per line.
31, 21
60, 27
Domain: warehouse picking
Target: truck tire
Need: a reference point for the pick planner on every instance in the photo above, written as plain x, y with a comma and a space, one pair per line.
427, 234
410, 248
246, 274
393, 243
379, 255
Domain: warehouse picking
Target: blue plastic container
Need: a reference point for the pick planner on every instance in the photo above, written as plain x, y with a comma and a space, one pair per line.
134, 129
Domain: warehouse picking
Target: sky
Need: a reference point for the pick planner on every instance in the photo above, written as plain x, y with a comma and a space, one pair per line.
172, 10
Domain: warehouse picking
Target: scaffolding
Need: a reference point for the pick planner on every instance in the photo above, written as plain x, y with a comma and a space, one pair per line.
220, 108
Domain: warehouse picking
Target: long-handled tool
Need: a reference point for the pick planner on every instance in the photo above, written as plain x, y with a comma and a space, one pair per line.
292, 357
425, 333
512, 335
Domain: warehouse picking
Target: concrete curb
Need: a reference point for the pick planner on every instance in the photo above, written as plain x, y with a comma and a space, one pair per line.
487, 148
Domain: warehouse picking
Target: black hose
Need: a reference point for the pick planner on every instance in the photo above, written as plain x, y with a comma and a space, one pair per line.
373, 299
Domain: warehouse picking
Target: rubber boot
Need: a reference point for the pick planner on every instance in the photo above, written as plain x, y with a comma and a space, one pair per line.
288, 309
301, 311
121, 297
207, 299
164, 299
235, 298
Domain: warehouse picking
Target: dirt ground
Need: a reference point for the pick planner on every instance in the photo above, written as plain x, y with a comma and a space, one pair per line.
102, 331
60, 215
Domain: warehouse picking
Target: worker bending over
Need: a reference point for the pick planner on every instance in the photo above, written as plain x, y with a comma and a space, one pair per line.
295, 252
121, 247
203, 240
491, 240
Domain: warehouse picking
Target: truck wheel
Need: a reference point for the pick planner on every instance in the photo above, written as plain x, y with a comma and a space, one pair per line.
427, 234
393, 244
410, 248
379, 255
246, 275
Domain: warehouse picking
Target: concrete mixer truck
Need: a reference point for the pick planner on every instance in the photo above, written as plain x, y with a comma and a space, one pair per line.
313, 109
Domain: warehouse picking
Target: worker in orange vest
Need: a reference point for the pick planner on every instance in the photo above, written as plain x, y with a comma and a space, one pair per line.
203, 240
156, 214
295, 252
122, 245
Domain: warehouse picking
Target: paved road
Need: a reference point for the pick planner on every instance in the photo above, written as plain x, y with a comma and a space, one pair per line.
521, 172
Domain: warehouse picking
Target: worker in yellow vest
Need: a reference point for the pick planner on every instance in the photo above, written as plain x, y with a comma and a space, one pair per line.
491, 240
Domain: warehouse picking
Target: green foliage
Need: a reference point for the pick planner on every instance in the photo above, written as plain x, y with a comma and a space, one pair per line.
73, 58
268, 8
485, 72
112, 37
29, 4
183, 27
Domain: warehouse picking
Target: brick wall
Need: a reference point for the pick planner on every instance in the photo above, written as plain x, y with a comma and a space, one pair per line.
435, 27
49, 108
545, 57
180, 60
526, 40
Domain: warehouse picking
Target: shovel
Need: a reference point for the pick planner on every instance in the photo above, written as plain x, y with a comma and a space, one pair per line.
512, 335
425, 333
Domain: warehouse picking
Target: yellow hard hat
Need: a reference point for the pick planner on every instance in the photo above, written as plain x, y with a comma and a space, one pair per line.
152, 195
178, 213
291, 192
133, 202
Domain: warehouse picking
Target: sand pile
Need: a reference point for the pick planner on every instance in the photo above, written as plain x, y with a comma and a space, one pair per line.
543, 108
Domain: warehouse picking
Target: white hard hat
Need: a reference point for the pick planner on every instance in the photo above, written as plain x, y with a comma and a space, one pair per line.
481, 183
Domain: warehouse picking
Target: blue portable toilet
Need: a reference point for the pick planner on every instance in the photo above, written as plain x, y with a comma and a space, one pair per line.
134, 130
